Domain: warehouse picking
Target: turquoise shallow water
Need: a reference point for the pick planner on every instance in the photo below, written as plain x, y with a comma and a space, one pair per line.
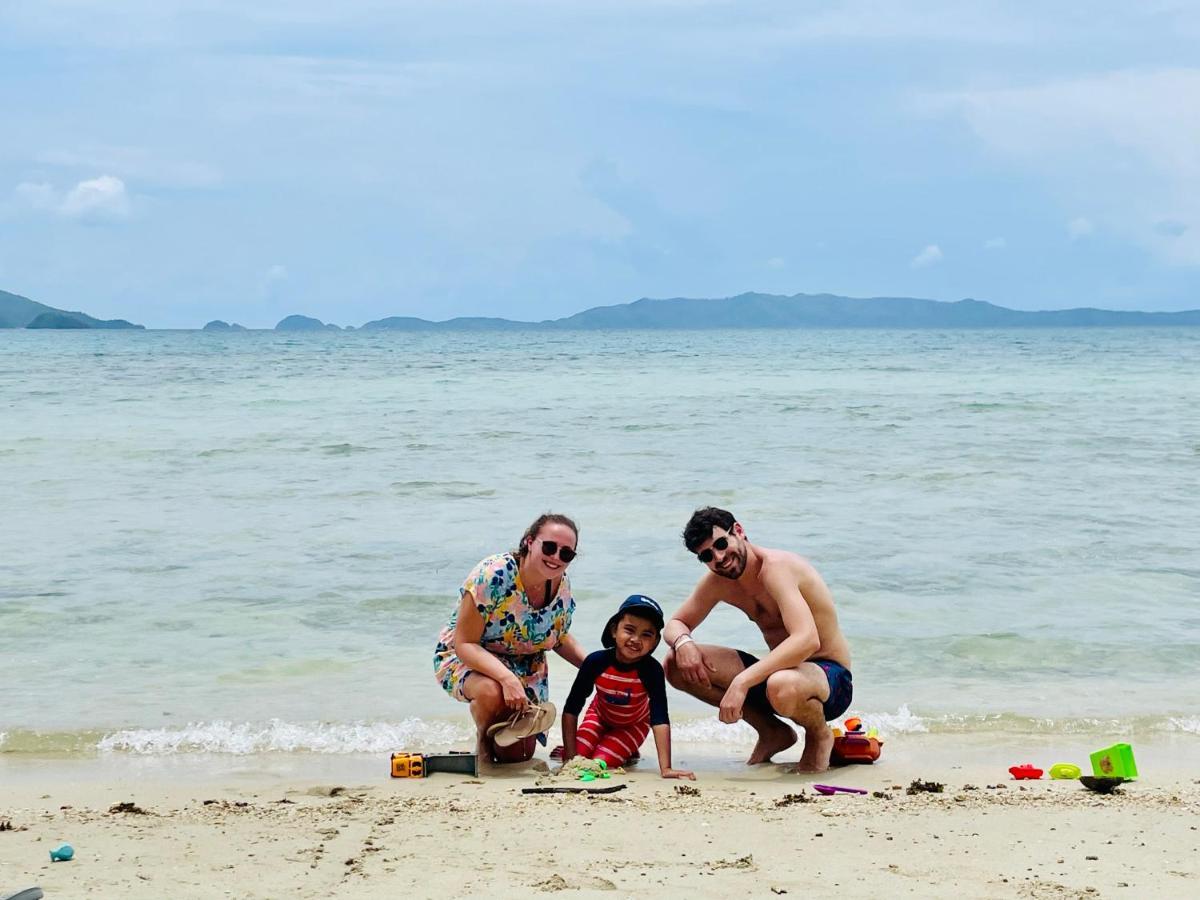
249, 541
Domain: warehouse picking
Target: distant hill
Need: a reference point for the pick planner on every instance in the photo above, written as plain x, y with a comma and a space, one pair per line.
806, 311
303, 323
743, 311
469, 323
21, 312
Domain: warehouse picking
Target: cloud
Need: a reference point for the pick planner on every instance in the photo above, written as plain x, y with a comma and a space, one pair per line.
92, 200
1080, 226
98, 198
931, 255
996, 243
1126, 143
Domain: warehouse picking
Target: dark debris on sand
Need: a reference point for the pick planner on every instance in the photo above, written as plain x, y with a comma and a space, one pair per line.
789, 799
129, 808
925, 787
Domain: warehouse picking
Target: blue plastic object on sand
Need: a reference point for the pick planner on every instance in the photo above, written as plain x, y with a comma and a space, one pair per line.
62, 854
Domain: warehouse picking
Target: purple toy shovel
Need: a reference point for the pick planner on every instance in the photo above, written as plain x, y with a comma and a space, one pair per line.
828, 789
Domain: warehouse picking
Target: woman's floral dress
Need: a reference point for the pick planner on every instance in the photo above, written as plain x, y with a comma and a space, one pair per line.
513, 631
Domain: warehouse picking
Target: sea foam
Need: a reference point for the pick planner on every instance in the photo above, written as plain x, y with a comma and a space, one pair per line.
277, 736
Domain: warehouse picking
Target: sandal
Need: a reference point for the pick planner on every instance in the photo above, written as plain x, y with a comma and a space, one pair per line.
535, 718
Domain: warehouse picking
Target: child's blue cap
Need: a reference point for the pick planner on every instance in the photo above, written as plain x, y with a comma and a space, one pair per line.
639, 605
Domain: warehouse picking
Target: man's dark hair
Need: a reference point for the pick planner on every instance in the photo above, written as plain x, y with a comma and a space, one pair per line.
703, 521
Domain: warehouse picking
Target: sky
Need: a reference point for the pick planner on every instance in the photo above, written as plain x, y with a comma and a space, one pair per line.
176, 161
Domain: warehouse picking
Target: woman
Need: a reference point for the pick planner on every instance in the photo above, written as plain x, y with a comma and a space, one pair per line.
513, 607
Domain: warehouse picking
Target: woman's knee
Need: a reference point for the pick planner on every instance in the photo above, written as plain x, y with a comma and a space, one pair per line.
484, 693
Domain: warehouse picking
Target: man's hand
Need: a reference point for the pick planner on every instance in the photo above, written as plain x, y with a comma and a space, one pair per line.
690, 662
679, 773
733, 701
514, 693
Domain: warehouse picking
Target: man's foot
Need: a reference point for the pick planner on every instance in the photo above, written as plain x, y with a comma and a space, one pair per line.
818, 744
771, 740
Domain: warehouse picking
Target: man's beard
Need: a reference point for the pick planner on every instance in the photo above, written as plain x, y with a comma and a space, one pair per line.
734, 572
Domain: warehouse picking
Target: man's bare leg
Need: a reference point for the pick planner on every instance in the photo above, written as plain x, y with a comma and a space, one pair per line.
774, 735
800, 695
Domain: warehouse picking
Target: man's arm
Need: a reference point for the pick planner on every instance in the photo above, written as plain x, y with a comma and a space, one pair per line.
691, 613
678, 632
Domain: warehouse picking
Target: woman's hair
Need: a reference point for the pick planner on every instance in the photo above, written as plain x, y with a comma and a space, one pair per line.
531, 532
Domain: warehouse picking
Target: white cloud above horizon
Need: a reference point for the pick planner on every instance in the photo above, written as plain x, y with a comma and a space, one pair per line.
929, 256
99, 199
1125, 141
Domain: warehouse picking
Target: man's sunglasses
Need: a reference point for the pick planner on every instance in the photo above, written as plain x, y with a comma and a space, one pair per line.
721, 543
566, 554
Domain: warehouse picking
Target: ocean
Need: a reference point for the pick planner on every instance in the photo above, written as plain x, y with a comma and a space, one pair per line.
247, 543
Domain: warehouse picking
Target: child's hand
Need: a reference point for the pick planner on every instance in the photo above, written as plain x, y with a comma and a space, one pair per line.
679, 773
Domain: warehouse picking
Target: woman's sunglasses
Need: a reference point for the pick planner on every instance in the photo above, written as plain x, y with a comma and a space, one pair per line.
721, 543
566, 554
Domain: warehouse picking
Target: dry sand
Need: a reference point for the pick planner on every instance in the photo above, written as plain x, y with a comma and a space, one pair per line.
266, 828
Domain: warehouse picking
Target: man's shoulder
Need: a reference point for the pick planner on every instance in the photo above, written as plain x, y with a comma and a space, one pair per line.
774, 559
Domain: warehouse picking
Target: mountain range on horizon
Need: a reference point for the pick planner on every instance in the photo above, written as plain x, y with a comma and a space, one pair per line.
749, 310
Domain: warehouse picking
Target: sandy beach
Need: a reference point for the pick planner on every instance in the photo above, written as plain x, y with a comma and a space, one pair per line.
263, 828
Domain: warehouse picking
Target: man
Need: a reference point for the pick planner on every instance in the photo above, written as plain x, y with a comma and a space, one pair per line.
806, 675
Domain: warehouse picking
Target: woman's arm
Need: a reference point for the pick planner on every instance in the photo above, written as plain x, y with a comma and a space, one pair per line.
468, 632
570, 650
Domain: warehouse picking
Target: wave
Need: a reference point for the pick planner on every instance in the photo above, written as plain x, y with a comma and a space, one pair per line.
418, 734
277, 736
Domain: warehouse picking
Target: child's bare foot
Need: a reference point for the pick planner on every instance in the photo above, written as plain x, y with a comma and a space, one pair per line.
773, 739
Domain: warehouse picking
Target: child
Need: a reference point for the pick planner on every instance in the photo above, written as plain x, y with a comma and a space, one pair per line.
631, 693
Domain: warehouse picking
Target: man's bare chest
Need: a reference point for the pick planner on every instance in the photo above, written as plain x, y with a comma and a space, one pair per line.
759, 609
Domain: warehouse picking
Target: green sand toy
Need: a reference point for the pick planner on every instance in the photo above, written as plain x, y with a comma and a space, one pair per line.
1065, 771
1114, 762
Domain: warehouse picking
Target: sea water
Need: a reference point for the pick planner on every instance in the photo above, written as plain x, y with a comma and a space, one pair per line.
248, 542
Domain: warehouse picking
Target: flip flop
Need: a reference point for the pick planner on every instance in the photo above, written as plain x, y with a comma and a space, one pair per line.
33, 893
536, 718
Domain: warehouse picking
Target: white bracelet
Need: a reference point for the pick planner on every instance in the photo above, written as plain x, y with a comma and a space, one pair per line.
681, 639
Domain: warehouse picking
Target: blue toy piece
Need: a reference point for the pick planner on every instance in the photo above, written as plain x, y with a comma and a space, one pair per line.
62, 854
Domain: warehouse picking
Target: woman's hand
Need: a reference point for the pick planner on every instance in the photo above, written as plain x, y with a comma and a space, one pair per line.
514, 693
679, 773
